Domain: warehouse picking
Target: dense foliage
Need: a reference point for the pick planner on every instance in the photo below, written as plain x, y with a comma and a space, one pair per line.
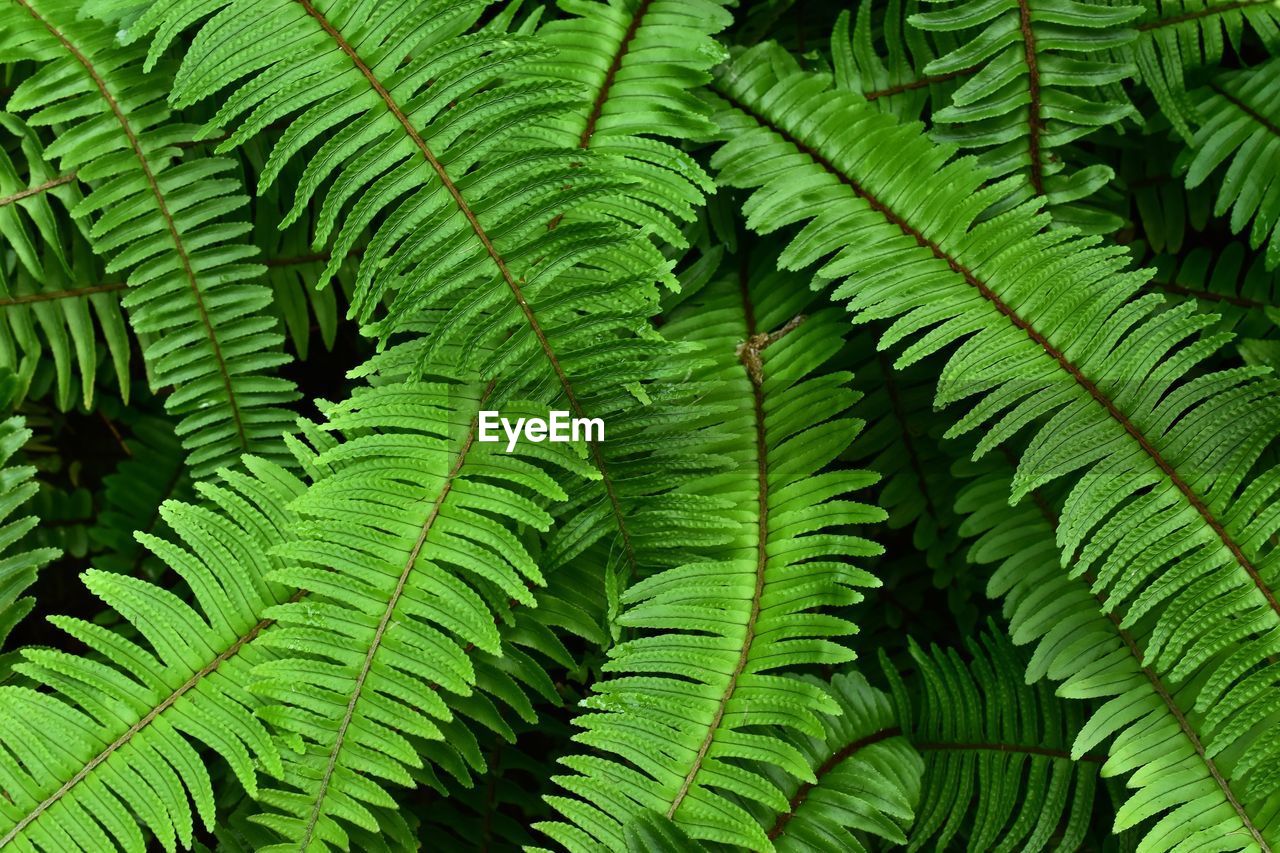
938, 497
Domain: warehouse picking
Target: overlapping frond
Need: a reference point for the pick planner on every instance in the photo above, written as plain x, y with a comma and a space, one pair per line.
687, 713
1228, 282
884, 66
1170, 496
1178, 38
49, 295
1240, 127
424, 153
866, 776
1042, 82
19, 565
167, 226
104, 745
637, 64
409, 557
1084, 640
999, 772
133, 495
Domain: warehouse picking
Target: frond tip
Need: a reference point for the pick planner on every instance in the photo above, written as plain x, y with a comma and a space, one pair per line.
707, 674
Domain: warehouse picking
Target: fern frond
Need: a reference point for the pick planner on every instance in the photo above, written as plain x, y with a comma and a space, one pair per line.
163, 224
19, 566
707, 674
1240, 126
889, 80
107, 742
866, 776
1170, 488
1041, 85
409, 554
49, 293
999, 768
133, 497
1180, 36
637, 63
1086, 642
426, 154
1227, 282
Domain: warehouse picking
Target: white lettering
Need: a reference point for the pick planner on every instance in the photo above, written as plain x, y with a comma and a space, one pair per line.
488, 421
559, 424
558, 427
512, 434
594, 428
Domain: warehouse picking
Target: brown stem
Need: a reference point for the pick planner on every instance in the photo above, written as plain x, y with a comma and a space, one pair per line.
37, 189
1035, 125
163, 208
465, 209
1192, 498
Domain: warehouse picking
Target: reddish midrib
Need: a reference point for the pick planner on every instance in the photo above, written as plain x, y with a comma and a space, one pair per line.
1157, 684
1071, 369
464, 208
1203, 13
1035, 125
376, 642
762, 541
163, 207
839, 757
52, 295
142, 723
37, 189
597, 107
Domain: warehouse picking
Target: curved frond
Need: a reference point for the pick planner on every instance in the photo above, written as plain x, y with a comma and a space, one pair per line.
133, 497
706, 674
163, 224
1041, 83
1170, 488
866, 776
637, 63
18, 568
1226, 282
1181, 37
999, 771
1186, 792
106, 744
890, 80
428, 154
409, 556
1240, 127
49, 295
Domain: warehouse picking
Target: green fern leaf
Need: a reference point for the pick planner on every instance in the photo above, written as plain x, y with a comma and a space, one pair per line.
1240, 123
433, 158
1048, 332
866, 776
49, 300
1039, 87
408, 555
887, 75
161, 223
707, 673
19, 567
1081, 639
999, 768
637, 62
1180, 36
108, 743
